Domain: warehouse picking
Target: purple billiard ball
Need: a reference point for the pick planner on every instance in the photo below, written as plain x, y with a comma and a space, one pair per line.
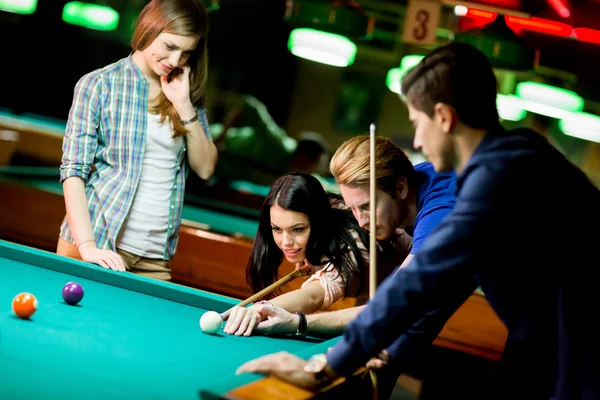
72, 293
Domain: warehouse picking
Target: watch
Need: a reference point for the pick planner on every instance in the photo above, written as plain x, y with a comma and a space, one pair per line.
302, 325
317, 365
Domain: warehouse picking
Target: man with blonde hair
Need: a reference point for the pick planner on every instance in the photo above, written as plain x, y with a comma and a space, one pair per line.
411, 200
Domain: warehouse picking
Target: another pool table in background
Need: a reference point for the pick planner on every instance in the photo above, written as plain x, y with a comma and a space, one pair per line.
39, 138
8, 145
216, 261
129, 338
34, 140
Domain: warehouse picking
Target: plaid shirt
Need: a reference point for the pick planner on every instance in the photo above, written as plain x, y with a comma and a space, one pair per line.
104, 145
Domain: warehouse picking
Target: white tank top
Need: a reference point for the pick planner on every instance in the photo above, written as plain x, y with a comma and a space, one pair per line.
144, 232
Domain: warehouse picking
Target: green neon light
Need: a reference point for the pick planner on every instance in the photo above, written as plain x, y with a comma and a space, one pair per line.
323, 47
394, 76
551, 96
510, 108
91, 16
581, 125
18, 6
511, 101
410, 61
393, 79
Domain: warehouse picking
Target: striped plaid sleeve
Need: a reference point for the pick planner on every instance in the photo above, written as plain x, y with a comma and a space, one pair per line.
80, 141
203, 118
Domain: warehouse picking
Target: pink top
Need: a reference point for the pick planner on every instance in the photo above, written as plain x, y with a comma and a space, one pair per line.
334, 283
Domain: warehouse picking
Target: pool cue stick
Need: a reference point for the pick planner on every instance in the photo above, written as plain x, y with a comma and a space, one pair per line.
372, 237
286, 279
372, 216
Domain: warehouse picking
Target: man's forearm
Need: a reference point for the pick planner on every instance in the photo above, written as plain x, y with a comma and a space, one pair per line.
331, 323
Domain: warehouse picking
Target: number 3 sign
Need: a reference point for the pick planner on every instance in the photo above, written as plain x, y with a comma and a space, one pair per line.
422, 18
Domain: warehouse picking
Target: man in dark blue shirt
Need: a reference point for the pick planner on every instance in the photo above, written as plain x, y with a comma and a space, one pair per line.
538, 284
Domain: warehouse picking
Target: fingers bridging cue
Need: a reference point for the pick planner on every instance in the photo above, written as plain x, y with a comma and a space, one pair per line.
271, 288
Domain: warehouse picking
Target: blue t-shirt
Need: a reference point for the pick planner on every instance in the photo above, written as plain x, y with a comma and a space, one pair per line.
435, 199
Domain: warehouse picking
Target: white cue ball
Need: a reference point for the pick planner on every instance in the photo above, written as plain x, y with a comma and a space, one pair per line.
210, 322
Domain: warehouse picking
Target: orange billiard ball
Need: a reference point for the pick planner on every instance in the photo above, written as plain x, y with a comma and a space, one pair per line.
24, 305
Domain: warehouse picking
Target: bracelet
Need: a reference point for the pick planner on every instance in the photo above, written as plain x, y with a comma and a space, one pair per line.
189, 121
85, 241
302, 325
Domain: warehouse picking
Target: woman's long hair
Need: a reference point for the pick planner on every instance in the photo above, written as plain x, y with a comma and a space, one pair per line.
330, 232
184, 18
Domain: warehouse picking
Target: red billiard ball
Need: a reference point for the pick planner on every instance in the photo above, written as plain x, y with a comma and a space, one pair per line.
72, 293
24, 305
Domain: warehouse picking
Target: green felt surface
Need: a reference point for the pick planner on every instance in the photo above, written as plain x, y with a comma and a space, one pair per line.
229, 224
27, 121
130, 337
254, 188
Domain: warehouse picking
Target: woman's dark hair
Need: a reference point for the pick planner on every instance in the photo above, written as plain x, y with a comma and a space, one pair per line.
330, 232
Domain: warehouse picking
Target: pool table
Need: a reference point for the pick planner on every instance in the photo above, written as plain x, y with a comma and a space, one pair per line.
129, 338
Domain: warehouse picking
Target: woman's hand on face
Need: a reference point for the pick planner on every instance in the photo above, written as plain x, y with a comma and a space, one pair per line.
176, 87
242, 321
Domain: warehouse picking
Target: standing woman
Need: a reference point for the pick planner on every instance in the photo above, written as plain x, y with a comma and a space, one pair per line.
135, 128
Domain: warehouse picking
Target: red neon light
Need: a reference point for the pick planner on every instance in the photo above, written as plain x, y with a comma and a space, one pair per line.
481, 15
588, 35
539, 25
481, 18
560, 7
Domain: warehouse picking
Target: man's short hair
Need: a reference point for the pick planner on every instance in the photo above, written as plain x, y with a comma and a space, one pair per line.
460, 76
